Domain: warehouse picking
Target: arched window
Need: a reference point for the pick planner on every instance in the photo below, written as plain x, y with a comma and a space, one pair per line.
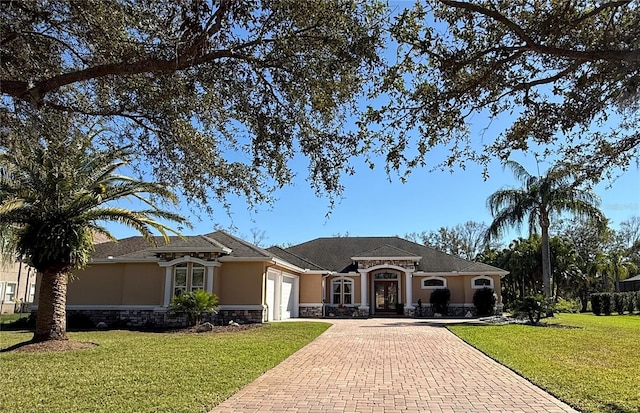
481, 282
342, 291
188, 276
434, 283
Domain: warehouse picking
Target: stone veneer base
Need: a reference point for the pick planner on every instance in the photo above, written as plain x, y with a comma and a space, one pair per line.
151, 319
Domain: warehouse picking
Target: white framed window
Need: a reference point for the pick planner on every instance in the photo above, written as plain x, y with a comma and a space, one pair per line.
180, 278
342, 291
1, 291
10, 293
32, 293
481, 282
188, 277
197, 277
433, 283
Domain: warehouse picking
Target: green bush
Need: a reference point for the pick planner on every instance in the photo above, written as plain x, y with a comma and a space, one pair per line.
619, 302
596, 304
484, 300
194, 305
439, 300
637, 299
631, 301
531, 307
567, 306
606, 301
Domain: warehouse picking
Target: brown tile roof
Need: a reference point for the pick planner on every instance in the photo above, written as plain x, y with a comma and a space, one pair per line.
335, 254
138, 247
294, 259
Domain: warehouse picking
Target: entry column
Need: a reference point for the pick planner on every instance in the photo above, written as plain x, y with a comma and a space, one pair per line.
408, 292
364, 282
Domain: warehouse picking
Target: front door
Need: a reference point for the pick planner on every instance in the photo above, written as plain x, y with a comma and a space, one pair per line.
386, 296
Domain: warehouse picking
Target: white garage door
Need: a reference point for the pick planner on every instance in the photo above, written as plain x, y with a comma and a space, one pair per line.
287, 297
271, 297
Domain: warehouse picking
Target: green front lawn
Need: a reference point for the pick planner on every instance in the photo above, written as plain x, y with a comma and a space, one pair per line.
7, 318
144, 372
595, 368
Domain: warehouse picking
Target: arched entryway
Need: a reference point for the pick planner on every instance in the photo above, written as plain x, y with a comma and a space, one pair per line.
386, 298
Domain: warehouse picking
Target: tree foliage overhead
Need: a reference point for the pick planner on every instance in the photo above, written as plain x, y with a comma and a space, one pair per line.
463, 240
217, 95
564, 76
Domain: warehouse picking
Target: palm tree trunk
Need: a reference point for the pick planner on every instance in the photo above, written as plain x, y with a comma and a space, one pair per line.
51, 323
546, 262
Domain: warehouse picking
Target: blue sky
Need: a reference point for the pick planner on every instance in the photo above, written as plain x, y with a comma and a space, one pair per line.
373, 204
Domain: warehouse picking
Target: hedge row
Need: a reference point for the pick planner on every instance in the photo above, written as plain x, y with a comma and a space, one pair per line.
607, 303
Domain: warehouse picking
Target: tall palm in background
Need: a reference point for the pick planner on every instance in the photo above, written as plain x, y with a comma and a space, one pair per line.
55, 194
541, 199
612, 267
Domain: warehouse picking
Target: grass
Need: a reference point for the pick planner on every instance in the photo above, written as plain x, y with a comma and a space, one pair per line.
144, 372
595, 368
7, 318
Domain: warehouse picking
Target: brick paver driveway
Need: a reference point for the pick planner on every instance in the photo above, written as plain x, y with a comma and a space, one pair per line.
390, 365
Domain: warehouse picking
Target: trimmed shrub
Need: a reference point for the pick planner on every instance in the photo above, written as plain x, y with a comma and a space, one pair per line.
194, 305
631, 301
531, 307
567, 306
439, 299
484, 300
607, 303
619, 302
596, 304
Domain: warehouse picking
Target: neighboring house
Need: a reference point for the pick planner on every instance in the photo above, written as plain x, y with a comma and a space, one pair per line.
346, 276
17, 287
630, 284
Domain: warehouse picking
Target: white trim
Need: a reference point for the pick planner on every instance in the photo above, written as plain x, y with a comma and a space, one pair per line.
482, 277
387, 266
288, 266
342, 294
310, 305
14, 292
364, 286
168, 276
188, 258
229, 307
210, 279
433, 287
408, 289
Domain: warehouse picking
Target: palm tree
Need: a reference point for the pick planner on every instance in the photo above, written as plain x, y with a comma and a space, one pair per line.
541, 199
55, 194
613, 263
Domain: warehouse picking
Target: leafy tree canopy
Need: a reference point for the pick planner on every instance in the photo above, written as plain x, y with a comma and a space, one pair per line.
463, 240
217, 96
563, 75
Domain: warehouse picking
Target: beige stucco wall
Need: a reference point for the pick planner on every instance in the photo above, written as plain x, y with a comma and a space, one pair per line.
117, 284
239, 283
143, 284
310, 289
9, 274
459, 285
